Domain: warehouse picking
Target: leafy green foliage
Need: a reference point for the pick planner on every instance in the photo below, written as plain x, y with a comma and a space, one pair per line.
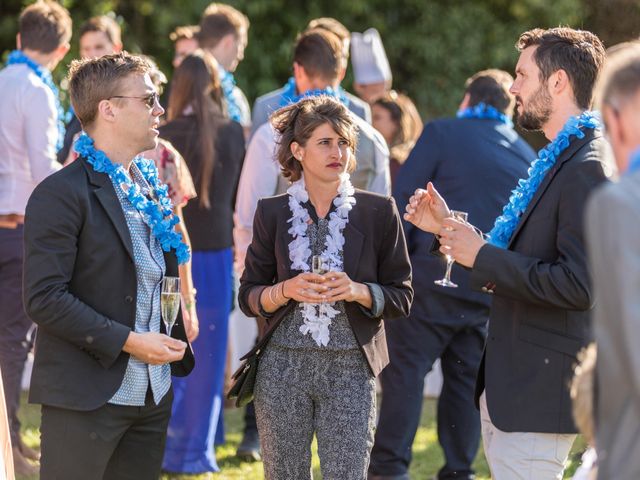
433, 45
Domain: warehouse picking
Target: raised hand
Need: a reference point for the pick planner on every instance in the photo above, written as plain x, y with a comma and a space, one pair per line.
427, 209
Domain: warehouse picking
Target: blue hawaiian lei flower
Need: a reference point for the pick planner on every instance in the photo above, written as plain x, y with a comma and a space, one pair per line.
634, 162
157, 215
290, 96
482, 110
228, 84
505, 224
18, 58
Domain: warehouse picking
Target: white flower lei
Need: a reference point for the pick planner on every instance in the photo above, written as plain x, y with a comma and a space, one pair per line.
317, 317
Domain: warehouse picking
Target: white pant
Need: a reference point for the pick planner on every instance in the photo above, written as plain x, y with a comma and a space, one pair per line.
523, 455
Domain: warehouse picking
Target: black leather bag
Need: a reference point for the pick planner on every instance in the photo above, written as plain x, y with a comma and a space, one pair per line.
244, 380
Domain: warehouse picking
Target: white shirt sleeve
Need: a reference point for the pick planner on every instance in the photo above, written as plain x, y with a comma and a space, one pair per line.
41, 133
381, 180
259, 179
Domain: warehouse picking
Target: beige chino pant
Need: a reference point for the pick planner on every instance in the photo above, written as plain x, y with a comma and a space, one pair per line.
523, 455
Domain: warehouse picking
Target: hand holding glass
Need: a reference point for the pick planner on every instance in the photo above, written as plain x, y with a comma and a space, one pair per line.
446, 281
170, 301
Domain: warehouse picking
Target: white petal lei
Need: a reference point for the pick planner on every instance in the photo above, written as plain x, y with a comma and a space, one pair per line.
318, 317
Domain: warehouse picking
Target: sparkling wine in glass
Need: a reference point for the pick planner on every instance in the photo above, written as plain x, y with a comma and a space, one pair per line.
446, 281
319, 264
170, 301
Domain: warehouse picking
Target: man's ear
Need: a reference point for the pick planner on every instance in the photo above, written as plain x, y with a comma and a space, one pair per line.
106, 111
559, 82
18, 42
465, 101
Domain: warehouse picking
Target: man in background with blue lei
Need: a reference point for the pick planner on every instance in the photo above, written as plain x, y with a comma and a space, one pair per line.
296, 86
474, 160
224, 34
31, 131
99, 238
533, 261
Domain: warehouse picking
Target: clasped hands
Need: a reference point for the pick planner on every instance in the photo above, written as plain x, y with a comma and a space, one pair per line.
327, 288
428, 211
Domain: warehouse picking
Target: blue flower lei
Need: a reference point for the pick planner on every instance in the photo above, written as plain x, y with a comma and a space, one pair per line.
228, 84
157, 215
505, 224
634, 162
290, 96
19, 58
482, 110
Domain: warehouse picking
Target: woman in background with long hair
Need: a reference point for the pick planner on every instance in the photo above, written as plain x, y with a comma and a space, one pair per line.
213, 148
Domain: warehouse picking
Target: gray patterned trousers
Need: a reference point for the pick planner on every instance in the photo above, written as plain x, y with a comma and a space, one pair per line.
300, 392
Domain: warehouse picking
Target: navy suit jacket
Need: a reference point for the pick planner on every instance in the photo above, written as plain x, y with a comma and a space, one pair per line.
474, 164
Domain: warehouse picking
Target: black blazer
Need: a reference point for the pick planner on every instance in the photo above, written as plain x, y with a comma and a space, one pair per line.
474, 164
374, 252
80, 288
540, 316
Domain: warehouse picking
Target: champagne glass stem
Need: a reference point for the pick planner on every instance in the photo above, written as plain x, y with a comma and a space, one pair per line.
447, 274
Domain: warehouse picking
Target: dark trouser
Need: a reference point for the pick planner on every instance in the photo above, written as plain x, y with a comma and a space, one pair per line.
114, 442
15, 327
250, 425
414, 345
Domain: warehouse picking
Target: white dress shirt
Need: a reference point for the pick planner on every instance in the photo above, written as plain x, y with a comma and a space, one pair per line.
28, 136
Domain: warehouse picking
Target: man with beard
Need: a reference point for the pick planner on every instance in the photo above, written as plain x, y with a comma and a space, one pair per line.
533, 261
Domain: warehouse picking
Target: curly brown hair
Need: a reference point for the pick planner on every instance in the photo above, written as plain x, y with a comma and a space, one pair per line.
297, 122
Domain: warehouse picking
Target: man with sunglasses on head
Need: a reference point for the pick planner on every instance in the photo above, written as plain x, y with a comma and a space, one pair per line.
99, 239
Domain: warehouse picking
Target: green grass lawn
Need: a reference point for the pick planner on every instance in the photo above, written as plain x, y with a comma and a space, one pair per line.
427, 456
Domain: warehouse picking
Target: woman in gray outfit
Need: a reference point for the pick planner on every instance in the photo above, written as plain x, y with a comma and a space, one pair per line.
327, 263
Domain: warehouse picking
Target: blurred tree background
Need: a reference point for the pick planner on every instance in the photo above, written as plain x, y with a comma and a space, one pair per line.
432, 45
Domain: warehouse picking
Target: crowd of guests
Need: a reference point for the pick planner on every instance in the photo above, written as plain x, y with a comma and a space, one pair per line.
300, 198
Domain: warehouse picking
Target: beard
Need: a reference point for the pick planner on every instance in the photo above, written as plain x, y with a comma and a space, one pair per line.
539, 110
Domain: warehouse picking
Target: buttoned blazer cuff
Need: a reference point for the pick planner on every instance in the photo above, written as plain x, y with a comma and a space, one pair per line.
377, 301
483, 271
108, 355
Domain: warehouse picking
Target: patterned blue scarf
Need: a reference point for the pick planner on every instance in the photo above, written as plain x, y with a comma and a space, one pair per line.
290, 95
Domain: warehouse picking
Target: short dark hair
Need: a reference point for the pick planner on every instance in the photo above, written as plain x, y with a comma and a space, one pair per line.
218, 21
491, 87
104, 24
297, 122
96, 79
334, 26
44, 26
620, 79
579, 53
320, 53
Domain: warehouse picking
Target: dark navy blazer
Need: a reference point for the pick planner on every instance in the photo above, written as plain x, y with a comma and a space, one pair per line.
474, 164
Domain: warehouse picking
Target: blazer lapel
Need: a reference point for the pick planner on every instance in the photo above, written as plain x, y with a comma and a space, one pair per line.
353, 242
566, 155
109, 201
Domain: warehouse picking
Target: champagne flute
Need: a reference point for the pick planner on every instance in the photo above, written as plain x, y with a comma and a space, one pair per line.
319, 264
446, 281
170, 301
